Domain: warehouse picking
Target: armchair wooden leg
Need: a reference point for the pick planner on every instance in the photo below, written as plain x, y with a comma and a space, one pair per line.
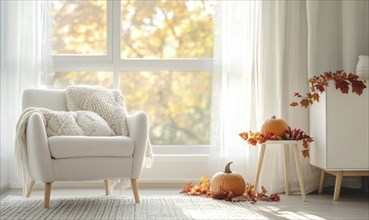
47, 195
135, 190
30, 188
106, 186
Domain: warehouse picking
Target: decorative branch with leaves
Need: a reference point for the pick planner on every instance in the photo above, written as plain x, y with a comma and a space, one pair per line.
319, 84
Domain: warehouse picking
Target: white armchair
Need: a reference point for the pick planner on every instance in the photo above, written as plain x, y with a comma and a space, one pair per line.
81, 158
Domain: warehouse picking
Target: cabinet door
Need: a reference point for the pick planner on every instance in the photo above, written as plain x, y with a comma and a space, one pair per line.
318, 130
347, 130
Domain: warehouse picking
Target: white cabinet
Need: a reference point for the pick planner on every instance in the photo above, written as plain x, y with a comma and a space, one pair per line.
339, 126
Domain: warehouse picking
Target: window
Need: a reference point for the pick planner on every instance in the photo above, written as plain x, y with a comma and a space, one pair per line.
158, 53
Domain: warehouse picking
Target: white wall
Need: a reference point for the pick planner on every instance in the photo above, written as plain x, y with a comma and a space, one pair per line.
355, 32
338, 34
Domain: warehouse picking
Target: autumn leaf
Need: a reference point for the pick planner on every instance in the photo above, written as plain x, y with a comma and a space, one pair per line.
305, 153
252, 141
251, 195
204, 184
309, 139
357, 86
244, 135
297, 94
327, 76
304, 103
305, 144
352, 76
187, 188
316, 97
293, 104
249, 187
320, 86
309, 95
343, 85
274, 198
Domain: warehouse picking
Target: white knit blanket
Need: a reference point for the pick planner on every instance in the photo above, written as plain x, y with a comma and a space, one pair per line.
85, 105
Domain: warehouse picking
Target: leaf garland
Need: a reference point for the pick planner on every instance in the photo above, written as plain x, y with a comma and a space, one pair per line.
203, 189
319, 84
254, 138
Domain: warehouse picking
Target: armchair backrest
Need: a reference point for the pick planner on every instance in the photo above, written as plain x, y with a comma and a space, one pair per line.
53, 99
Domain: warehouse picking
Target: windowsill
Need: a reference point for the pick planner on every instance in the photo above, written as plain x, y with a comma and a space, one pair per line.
186, 150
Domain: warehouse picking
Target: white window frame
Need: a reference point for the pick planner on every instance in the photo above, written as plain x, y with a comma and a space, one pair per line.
113, 62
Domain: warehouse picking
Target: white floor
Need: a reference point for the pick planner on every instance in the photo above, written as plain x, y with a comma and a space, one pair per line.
353, 204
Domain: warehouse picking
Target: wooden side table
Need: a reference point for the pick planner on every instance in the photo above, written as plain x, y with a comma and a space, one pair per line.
286, 143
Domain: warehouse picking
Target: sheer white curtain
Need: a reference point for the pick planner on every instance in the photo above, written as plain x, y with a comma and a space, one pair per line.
25, 61
261, 59
233, 91
283, 71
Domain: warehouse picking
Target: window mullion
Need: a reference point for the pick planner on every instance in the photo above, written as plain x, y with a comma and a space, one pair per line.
109, 28
116, 41
185, 65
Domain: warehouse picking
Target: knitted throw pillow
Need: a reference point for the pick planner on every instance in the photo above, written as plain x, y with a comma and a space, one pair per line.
109, 104
79, 123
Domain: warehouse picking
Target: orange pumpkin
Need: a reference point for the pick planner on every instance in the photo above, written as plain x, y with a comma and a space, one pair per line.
277, 126
227, 181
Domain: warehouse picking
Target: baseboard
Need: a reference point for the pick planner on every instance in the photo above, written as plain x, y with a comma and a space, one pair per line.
4, 166
4, 188
98, 184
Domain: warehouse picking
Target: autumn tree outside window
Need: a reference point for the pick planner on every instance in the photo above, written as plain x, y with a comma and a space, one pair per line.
158, 53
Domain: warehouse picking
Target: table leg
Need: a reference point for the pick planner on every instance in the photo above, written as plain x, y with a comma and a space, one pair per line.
299, 171
321, 181
260, 163
337, 187
286, 169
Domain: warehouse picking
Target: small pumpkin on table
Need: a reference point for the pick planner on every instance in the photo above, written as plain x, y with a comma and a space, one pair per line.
276, 126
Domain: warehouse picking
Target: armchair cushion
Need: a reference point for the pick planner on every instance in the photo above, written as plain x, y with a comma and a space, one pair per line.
83, 146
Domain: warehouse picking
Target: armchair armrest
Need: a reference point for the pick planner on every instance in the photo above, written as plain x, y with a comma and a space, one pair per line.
138, 128
39, 158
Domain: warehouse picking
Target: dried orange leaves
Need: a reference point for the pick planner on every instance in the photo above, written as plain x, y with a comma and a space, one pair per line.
203, 189
254, 138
